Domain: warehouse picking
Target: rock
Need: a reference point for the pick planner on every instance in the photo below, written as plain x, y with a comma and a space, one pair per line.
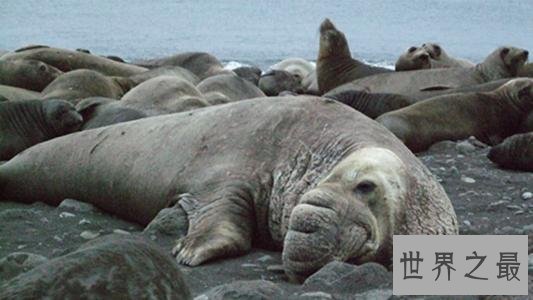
339, 277
276, 269
465, 147
84, 222
89, 235
528, 229
440, 147
120, 231
264, 258
245, 289
66, 215
495, 205
530, 263
170, 221
74, 205
375, 294
111, 267
250, 265
467, 179
467, 223
316, 295
18, 215
527, 195
18, 262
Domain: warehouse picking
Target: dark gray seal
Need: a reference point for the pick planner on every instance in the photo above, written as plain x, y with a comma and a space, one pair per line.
515, 152
26, 123
372, 105
251, 74
274, 82
307, 175
335, 65
27, 74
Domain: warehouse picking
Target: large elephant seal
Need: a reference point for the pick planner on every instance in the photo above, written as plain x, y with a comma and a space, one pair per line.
372, 105
233, 87
335, 65
297, 67
309, 175
490, 117
441, 59
80, 84
67, 60
164, 95
504, 62
26, 123
201, 64
27, 74
17, 94
99, 112
515, 152
175, 71
274, 82
415, 58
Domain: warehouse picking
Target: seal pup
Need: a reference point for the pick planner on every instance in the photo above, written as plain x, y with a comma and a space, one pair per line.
502, 63
441, 59
305, 175
335, 65
490, 117
515, 153
26, 123
415, 58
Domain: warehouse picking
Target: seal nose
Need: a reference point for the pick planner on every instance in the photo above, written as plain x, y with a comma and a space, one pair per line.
424, 57
326, 25
526, 54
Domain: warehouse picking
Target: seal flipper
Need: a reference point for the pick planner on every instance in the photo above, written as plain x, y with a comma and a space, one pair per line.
219, 228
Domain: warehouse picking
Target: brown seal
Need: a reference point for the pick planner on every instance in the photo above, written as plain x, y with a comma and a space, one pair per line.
515, 152
372, 105
27, 74
335, 65
415, 58
304, 174
490, 117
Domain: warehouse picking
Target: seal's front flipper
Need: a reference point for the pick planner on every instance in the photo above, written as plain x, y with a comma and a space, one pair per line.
216, 229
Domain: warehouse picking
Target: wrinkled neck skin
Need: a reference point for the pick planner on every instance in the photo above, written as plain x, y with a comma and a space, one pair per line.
28, 119
510, 101
293, 178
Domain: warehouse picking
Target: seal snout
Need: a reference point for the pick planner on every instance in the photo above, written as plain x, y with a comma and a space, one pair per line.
326, 25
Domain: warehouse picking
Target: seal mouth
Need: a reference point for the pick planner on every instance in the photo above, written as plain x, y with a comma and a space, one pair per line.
326, 25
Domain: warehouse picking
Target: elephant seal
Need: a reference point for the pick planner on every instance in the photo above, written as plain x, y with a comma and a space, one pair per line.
27, 74
115, 58
335, 65
175, 71
504, 62
67, 60
371, 105
231, 86
441, 59
527, 124
526, 70
164, 95
251, 74
111, 267
80, 84
415, 58
274, 82
297, 67
515, 152
26, 123
201, 64
30, 47
99, 112
490, 117
310, 84
304, 174
17, 94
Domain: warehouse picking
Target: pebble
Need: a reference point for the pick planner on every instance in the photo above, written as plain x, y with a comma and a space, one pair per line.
528, 229
89, 235
316, 295
467, 179
57, 238
497, 204
120, 231
264, 258
249, 265
276, 268
465, 147
467, 223
527, 196
84, 222
74, 205
66, 215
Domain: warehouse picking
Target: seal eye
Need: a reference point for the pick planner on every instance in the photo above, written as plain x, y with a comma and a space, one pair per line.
412, 49
437, 48
504, 51
42, 68
365, 187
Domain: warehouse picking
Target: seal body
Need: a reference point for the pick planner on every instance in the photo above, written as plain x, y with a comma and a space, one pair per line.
233, 87
242, 172
164, 95
504, 62
175, 71
490, 117
251, 74
441, 59
27, 74
515, 152
80, 84
335, 65
415, 58
372, 105
99, 112
17, 94
274, 82
526, 70
26, 123
297, 67
67, 60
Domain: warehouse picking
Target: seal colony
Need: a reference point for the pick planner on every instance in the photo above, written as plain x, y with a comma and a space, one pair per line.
314, 177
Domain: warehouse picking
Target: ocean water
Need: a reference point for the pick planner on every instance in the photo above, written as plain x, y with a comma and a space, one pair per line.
264, 32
